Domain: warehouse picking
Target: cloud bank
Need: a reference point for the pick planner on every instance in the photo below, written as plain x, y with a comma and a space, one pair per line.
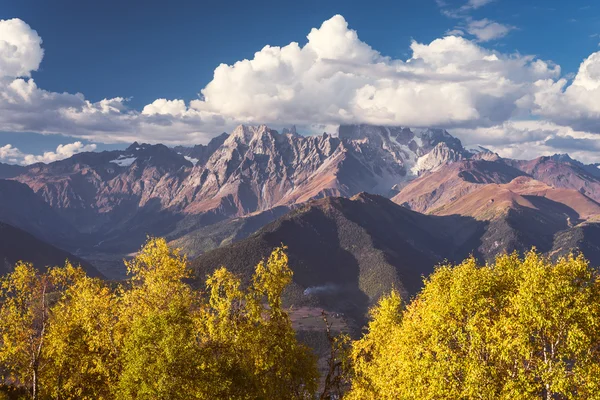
12, 155
484, 96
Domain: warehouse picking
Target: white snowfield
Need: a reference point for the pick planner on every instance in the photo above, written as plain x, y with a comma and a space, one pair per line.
124, 161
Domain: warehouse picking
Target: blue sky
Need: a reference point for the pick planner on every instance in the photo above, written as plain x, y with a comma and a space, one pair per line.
147, 50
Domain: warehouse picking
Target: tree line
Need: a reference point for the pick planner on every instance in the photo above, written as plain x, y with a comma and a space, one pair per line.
521, 327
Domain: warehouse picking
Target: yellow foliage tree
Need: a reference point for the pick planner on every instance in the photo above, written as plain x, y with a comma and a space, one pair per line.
159, 357
65, 335
259, 355
83, 342
26, 296
519, 328
369, 356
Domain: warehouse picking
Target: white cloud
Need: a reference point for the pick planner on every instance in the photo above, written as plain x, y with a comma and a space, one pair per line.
12, 155
20, 49
528, 139
24, 107
576, 104
165, 107
336, 78
474, 4
485, 30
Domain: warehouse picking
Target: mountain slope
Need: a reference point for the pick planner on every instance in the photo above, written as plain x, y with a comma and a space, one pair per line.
22, 208
584, 237
346, 252
522, 214
210, 237
561, 171
447, 184
18, 245
103, 205
10, 171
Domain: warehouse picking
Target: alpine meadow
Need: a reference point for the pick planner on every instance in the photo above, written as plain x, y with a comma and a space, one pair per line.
316, 200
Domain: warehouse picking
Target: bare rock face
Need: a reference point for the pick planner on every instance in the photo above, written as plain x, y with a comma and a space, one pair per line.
113, 199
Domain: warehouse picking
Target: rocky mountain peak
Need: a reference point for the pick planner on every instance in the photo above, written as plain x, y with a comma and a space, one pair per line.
481, 153
441, 154
375, 134
245, 134
562, 158
290, 131
133, 147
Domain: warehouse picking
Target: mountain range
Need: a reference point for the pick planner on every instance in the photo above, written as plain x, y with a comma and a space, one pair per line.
360, 210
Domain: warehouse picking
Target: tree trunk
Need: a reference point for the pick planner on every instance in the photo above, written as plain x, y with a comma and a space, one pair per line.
34, 389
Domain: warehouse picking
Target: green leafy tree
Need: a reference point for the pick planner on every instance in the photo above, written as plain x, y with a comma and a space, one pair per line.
159, 357
65, 335
233, 343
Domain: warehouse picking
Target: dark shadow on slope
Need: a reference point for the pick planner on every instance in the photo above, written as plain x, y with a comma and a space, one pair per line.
316, 257
18, 245
559, 210
584, 238
358, 248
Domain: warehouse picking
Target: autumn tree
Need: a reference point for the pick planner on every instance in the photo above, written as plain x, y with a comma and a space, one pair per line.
160, 357
26, 296
66, 335
259, 355
83, 342
232, 342
522, 328
371, 357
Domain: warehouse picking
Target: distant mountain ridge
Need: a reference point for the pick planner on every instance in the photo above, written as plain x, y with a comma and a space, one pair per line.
117, 197
108, 202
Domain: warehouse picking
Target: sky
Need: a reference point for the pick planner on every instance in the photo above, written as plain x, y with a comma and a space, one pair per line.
519, 77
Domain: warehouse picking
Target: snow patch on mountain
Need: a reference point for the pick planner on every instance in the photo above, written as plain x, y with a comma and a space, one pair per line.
191, 159
124, 161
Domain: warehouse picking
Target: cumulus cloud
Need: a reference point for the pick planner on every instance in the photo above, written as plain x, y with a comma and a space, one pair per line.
576, 104
336, 78
26, 107
12, 155
166, 107
20, 49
